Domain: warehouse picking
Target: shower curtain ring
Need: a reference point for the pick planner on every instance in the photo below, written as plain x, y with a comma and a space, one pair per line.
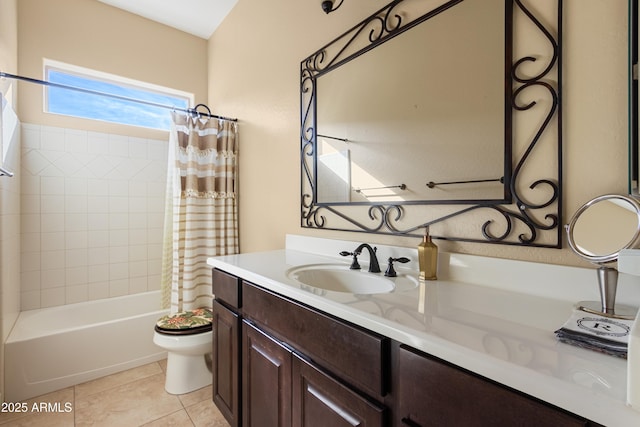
205, 107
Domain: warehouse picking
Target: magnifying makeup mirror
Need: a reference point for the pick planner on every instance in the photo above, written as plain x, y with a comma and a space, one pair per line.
597, 232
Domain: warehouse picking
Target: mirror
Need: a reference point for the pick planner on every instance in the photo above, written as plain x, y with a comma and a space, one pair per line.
604, 226
597, 232
407, 121
390, 143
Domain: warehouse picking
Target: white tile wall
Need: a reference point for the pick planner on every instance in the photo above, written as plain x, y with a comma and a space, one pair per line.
92, 215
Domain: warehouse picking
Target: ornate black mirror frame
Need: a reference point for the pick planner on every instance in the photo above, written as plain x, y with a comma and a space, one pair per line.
524, 222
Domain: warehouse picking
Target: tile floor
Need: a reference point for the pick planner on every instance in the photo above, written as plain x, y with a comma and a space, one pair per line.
127, 399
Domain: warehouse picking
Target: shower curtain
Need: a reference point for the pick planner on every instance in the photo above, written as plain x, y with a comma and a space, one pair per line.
201, 216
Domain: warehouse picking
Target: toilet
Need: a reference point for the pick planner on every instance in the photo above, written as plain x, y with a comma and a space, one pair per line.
187, 338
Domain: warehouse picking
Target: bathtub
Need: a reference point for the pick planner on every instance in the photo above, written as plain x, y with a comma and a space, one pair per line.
53, 348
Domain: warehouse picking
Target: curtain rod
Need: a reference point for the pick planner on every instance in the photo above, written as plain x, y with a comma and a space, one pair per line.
192, 111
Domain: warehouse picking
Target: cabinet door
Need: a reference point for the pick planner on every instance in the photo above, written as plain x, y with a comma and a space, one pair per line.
226, 363
321, 401
433, 393
266, 380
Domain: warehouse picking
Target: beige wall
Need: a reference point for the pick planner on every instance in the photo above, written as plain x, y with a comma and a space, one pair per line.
94, 35
8, 45
8, 36
254, 62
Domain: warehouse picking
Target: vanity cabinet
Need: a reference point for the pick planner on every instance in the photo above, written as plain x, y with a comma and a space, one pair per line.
320, 400
304, 368
225, 362
278, 362
266, 369
282, 389
353, 354
431, 392
226, 346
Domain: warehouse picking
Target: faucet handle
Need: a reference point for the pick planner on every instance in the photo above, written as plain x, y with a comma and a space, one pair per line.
391, 272
354, 264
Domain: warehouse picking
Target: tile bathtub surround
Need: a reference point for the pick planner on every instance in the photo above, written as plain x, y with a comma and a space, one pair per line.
131, 398
92, 215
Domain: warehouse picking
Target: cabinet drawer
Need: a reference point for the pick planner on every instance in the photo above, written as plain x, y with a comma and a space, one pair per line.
226, 287
431, 392
351, 353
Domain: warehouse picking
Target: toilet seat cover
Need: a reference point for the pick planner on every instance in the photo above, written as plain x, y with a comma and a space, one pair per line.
184, 322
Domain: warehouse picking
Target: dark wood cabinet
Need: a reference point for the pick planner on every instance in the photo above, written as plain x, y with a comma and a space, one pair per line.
432, 392
282, 389
279, 363
266, 369
226, 363
321, 401
353, 354
227, 288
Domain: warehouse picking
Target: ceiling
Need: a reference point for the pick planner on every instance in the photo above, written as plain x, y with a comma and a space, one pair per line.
197, 17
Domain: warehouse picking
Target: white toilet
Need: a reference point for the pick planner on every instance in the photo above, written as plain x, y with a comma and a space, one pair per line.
187, 336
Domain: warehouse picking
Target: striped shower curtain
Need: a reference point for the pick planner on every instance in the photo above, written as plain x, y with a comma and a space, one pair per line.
201, 217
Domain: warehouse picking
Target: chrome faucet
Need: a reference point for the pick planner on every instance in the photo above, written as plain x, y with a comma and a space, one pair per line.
374, 267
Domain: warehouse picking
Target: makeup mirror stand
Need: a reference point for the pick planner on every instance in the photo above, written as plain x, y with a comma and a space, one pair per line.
608, 286
593, 224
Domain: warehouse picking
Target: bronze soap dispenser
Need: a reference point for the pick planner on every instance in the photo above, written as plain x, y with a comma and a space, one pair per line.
428, 257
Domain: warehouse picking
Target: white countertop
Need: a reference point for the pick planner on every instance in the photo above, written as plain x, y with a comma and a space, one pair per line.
493, 317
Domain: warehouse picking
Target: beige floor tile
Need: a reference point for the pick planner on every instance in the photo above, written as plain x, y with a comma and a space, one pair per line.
135, 397
131, 404
38, 413
44, 419
205, 414
117, 379
177, 419
197, 396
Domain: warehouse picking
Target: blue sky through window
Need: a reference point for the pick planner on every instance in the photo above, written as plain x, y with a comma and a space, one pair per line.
80, 104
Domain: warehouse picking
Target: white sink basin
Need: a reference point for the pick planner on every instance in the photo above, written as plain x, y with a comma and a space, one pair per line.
339, 278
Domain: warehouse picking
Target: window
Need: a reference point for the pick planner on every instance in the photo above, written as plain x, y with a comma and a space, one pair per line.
98, 107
